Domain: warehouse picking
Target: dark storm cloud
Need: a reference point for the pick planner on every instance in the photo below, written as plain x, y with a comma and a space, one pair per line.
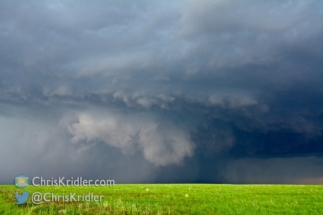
181, 91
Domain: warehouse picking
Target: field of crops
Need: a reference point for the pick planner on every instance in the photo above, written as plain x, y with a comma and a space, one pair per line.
171, 199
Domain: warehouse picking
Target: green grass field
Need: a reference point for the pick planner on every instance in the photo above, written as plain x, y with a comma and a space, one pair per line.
173, 199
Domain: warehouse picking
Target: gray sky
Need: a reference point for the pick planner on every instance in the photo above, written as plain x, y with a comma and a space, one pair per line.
162, 91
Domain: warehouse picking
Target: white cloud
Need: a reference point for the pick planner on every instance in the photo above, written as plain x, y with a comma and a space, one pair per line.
160, 144
232, 101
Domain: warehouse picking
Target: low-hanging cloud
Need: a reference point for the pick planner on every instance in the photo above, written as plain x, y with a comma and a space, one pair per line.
160, 144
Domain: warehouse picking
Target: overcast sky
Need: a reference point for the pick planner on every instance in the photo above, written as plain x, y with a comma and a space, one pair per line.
162, 91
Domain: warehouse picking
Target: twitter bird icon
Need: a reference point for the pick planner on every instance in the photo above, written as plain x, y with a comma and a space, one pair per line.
22, 198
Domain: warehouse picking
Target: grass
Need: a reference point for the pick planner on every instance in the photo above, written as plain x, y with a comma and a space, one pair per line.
173, 199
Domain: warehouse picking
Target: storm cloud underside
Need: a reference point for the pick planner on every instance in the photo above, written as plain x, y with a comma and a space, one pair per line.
184, 91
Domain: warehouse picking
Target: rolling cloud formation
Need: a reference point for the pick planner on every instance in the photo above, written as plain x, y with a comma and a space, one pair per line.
183, 91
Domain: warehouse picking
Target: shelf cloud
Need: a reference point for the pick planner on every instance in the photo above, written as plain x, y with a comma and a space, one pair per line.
183, 91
